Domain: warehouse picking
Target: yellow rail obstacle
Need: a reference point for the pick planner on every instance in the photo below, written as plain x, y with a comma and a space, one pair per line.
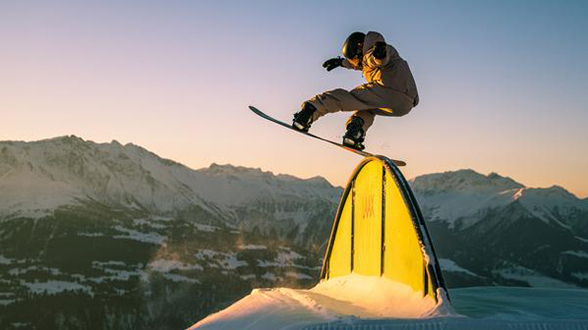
379, 231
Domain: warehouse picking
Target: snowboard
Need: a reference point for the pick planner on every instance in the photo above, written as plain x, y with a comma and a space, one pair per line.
355, 151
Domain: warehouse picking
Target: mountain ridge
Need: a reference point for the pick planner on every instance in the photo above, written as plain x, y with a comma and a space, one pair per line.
37, 177
129, 233
493, 178
115, 172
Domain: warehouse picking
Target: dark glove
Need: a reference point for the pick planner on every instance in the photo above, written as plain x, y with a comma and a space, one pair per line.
333, 63
380, 50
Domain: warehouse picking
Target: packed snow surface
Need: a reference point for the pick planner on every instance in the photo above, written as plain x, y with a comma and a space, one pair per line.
347, 304
342, 298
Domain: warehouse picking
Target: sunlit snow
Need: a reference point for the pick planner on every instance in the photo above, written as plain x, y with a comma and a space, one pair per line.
342, 298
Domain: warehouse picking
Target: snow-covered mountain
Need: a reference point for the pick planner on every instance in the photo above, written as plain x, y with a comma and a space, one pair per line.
490, 229
145, 242
36, 178
462, 197
117, 235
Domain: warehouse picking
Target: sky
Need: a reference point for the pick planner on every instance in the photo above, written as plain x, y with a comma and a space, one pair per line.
503, 84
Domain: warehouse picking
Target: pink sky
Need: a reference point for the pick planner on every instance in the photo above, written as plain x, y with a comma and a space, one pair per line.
500, 91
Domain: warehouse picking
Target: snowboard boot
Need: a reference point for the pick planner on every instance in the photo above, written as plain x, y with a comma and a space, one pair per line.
355, 134
303, 118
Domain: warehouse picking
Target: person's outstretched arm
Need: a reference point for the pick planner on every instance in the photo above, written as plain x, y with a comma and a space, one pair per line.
348, 65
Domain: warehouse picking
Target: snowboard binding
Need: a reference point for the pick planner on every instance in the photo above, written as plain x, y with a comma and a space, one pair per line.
355, 134
303, 118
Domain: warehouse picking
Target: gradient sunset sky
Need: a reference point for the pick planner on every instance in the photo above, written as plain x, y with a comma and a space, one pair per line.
503, 84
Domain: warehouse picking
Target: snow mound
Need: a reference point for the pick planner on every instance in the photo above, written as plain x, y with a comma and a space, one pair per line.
345, 298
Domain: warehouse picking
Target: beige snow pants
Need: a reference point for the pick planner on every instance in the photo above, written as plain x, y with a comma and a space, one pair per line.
367, 100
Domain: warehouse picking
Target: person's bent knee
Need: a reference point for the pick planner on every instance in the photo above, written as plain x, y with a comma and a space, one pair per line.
402, 112
336, 91
392, 112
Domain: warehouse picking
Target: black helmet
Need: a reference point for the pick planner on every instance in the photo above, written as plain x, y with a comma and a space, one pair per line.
353, 46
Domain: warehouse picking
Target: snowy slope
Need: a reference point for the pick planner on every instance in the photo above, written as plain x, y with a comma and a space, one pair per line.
70, 168
451, 196
38, 177
491, 229
352, 303
554, 203
466, 196
339, 299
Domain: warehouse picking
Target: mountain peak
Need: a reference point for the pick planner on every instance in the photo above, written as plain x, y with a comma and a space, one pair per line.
553, 194
468, 195
557, 189
466, 180
319, 180
232, 170
229, 169
43, 175
64, 138
61, 140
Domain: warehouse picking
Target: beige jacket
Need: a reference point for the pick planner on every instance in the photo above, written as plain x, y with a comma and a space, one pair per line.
391, 72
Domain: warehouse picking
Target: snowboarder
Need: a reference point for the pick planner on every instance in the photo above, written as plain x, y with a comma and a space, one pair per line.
390, 89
